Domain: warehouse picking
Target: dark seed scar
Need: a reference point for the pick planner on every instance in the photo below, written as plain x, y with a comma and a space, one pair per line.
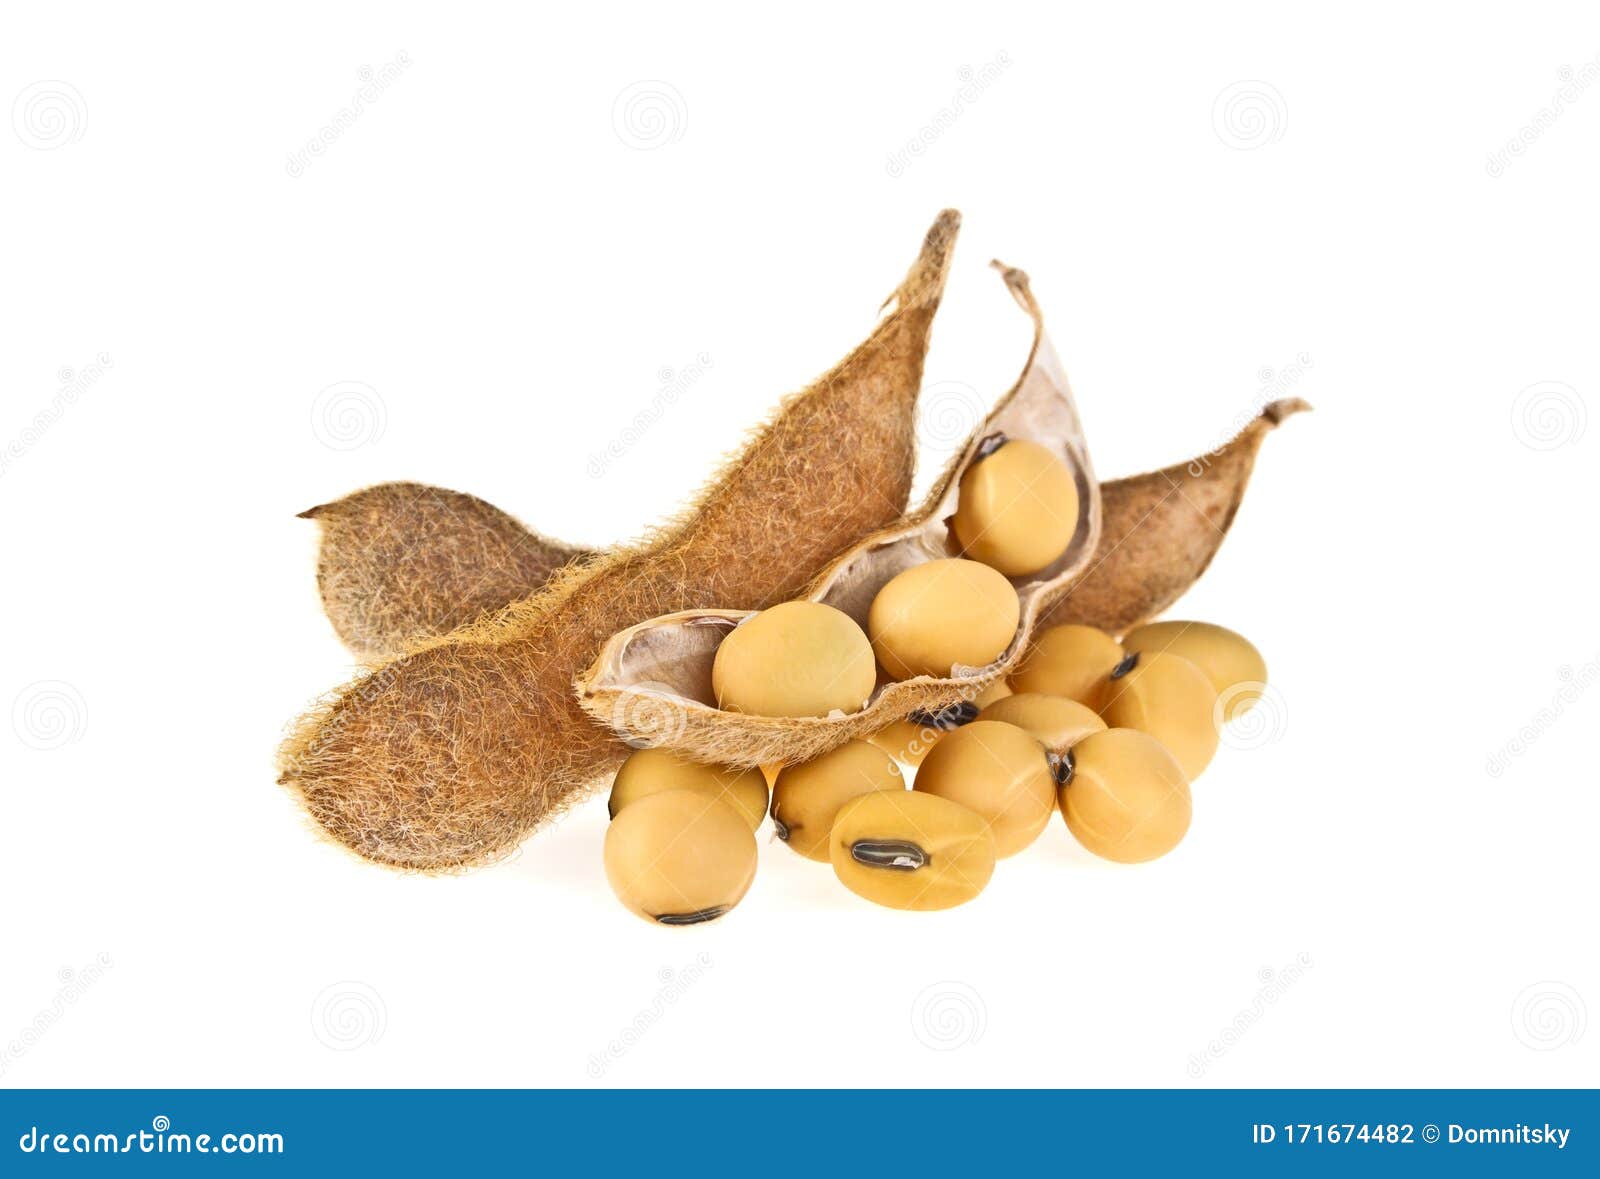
898, 855
1061, 767
963, 712
694, 918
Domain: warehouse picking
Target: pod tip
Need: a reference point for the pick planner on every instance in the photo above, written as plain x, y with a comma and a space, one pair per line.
1276, 411
311, 513
924, 284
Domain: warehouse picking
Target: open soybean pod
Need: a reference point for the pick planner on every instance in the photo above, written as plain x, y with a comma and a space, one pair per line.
1159, 531
451, 754
653, 681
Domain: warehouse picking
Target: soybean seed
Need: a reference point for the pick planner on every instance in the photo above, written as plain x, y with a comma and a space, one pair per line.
795, 659
940, 615
998, 772
1055, 722
1126, 798
1168, 697
807, 796
650, 771
911, 851
1018, 508
1229, 660
1068, 660
680, 857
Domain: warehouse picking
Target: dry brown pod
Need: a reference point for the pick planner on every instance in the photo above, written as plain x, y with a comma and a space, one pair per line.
652, 681
400, 563
452, 754
1160, 530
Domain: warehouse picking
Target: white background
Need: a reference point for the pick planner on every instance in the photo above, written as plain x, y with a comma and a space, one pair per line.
1206, 204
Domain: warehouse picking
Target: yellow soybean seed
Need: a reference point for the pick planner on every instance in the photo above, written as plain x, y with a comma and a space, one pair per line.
933, 617
997, 690
1168, 697
795, 659
680, 857
1229, 660
808, 796
906, 741
1070, 660
650, 771
911, 851
1018, 508
910, 739
998, 772
1054, 721
1125, 798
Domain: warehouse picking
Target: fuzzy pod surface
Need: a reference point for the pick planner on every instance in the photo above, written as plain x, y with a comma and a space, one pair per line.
1132, 578
1160, 530
450, 755
652, 682
401, 563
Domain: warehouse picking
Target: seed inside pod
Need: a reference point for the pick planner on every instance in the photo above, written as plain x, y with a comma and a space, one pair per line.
944, 614
450, 755
808, 796
998, 772
911, 851
680, 857
651, 771
1133, 576
796, 659
1018, 508
1168, 697
1124, 796
663, 663
1229, 660
1071, 661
